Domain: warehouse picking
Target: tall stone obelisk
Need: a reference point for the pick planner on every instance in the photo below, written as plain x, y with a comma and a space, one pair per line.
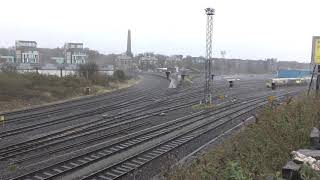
129, 53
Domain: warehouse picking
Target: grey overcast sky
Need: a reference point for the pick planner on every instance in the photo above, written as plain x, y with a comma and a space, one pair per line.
248, 29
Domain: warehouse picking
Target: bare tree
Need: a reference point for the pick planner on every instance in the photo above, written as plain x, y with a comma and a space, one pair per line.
88, 70
8, 68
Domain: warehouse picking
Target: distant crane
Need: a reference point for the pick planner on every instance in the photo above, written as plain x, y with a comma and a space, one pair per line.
207, 95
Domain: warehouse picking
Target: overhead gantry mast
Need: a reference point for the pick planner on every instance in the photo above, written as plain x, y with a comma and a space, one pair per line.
208, 76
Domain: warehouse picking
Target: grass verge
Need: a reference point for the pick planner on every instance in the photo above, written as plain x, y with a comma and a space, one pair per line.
28, 89
261, 148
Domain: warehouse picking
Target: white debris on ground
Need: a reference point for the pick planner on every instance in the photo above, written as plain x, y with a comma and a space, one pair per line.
300, 158
174, 81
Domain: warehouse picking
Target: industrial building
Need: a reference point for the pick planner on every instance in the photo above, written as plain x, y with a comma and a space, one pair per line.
173, 59
74, 53
293, 73
125, 61
7, 59
148, 59
26, 52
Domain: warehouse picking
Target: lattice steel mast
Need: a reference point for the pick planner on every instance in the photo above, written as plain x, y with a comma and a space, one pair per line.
207, 95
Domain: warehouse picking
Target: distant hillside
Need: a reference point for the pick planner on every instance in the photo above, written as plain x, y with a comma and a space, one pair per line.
241, 66
93, 56
46, 54
6, 52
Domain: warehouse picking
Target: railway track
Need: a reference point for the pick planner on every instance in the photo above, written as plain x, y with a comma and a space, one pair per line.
70, 134
127, 118
86, 102
63, 108
52, 115
88, 113
81, 131
84, 106
146, 135
133, 163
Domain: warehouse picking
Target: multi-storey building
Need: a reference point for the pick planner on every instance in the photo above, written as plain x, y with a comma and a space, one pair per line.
148, 58
74, 53
125, 62
123, 59
26, 52
173, 59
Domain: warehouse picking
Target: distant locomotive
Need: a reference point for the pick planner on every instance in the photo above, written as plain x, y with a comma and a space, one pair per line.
292, 77
288, 82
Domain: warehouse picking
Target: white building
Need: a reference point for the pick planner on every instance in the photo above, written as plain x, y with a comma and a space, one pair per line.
26, 52
173, 59
148, 59
198, 60
74, 53
124, 59
125, 62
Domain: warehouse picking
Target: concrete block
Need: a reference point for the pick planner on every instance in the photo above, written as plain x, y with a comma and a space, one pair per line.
309, 152
290, 171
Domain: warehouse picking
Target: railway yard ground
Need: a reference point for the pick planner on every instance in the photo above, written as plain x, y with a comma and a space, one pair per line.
133, 133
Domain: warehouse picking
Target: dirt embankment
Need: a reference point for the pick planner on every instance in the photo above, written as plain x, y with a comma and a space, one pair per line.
27, 90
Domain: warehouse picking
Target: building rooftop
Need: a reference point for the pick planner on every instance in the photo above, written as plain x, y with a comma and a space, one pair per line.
124, 57
26, 41
20, 43
148, 58
73, 45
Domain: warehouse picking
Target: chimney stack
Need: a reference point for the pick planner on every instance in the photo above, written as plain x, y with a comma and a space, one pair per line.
129, 53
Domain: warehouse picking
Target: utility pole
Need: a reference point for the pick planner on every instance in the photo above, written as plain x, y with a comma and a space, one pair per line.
315, 60
318, 81
207, 95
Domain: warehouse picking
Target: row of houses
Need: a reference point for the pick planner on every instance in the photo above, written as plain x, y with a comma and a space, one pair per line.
27, 52
124, 61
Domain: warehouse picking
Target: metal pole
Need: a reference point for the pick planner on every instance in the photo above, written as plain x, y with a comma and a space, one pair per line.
208, 62
310, 84
87, 74
318, 79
